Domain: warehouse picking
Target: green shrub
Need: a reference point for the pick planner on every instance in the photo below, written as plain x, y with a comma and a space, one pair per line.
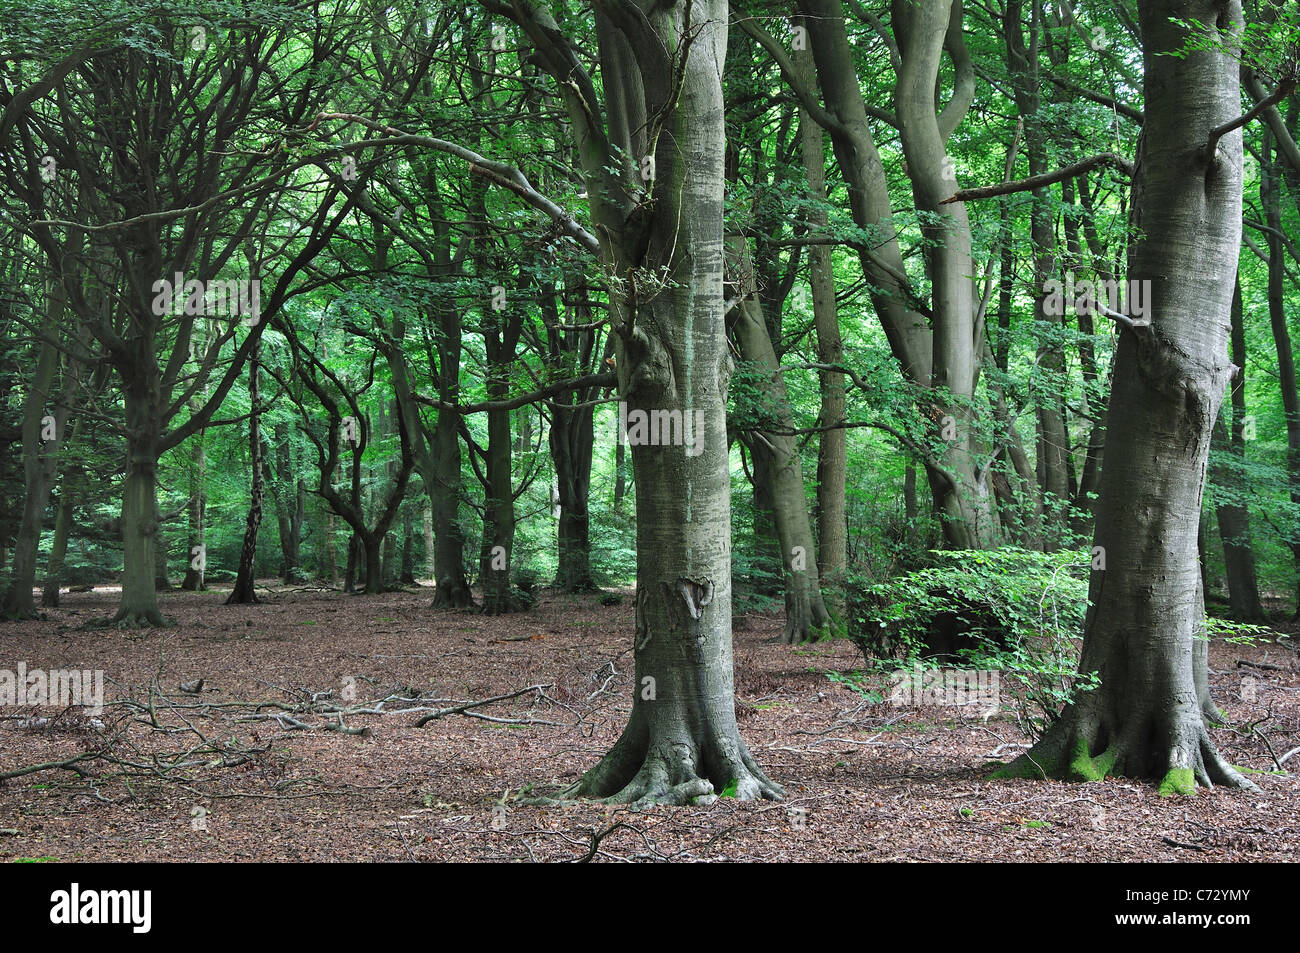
1018, 612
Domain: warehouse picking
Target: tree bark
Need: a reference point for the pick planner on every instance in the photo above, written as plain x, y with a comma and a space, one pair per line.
245, 590
776, 460
832, 447
666, 243
40, 454
1234, 517
1286, 374
1146, 718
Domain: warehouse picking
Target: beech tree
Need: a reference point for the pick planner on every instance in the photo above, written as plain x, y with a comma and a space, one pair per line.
1147, 718
651, 148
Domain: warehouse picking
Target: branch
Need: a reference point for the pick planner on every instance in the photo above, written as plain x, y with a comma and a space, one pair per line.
603, 379
1279, 94
791, 76
1047, 178
504, 175
463, 708
1286, 142
1124, 109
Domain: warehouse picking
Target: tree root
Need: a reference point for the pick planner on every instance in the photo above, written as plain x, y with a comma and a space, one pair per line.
131, 620
1174, 751
670, 774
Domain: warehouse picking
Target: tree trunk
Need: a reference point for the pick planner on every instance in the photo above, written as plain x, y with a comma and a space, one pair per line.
139, 603
58, 545
372, 549
245, 590
572, 439
40, 450
1286, 375
681, 741
290, 506
1146, 718
452, 590
407, 574
832, 447
776, 460
196, 558
428, 541
620, 474
498, 514
1234, 517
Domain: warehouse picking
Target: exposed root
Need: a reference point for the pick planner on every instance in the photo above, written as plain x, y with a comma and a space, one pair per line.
1186, 759
125, 619
670, 774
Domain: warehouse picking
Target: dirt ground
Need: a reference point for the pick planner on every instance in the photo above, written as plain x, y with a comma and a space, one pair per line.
252, 766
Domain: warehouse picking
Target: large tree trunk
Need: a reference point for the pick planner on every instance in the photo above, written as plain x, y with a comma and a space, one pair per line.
681, 741
1146, 718
140, 523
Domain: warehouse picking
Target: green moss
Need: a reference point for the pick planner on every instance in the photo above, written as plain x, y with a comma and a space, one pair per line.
730, 789
1178, 781
1084, 767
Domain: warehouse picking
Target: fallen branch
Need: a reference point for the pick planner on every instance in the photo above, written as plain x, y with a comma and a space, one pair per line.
66, 765
464, 709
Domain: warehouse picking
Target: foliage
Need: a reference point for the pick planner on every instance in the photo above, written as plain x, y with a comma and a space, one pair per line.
1018, 612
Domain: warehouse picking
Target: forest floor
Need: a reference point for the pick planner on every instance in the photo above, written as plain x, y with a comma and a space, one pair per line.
244, 769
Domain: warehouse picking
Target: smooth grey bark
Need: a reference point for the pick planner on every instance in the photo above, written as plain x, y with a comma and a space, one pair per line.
1026, 84
941, 355
1095, 388
1146, 719
661, 245
571, 437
